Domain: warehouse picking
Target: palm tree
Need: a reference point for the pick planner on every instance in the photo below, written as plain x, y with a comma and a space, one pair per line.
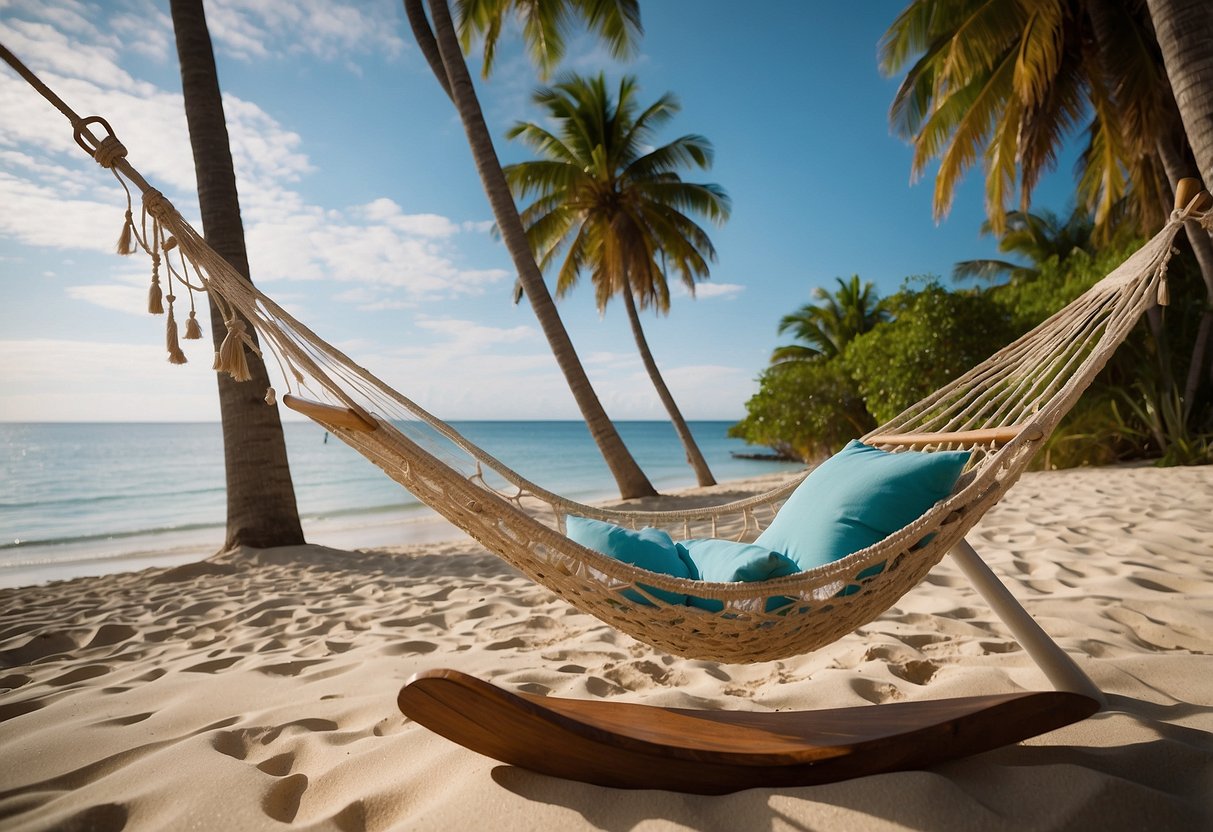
607, 205
1185, 32
1034, 237
261, 509
827, 326
619, 22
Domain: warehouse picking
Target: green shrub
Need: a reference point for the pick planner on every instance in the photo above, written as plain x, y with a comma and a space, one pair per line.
804, 410
936, 336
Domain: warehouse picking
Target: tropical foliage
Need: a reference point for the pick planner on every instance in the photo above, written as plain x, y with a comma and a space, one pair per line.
1036, 237
809, 409
610, 205
934, 336
1007, 82
826, 327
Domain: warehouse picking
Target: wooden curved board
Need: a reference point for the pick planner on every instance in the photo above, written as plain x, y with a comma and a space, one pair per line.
632, 746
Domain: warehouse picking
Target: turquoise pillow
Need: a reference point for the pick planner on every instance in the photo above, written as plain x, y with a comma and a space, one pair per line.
724, 561
650, 549
858, 497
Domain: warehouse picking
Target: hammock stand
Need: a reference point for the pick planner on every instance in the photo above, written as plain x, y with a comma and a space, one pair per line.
1003, 411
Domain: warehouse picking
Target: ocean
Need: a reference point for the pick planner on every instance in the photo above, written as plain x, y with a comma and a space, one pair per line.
87, 499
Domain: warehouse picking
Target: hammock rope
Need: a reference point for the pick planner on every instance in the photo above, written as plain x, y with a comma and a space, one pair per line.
1003, 410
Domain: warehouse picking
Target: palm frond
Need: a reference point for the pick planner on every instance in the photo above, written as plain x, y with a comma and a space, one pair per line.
988, 98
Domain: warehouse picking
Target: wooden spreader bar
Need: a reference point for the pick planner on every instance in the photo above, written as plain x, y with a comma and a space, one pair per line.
987, 436
342, 417
1187, 190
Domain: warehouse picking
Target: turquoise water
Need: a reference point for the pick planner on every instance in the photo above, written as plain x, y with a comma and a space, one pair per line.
109, 494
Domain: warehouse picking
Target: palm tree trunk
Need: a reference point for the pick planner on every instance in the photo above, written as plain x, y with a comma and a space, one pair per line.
1185, 33
631, 481
694, 455
1184, 29
261, 509
1202, 248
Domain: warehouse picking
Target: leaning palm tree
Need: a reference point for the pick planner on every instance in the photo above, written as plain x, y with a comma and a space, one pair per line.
544, 24
1185, 32
825, 327
1034, 237
261, 508
607, 204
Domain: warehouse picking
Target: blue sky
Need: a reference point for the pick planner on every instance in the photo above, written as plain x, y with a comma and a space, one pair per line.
366, 219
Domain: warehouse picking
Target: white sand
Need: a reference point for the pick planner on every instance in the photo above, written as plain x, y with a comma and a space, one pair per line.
258, 691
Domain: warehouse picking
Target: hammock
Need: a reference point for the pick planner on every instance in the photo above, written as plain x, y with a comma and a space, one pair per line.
1003, 410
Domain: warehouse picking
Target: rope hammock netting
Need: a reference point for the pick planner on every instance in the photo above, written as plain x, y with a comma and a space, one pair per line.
1002, 411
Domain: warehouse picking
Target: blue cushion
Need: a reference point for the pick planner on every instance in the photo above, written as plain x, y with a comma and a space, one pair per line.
650, 549
724, 561
858, 497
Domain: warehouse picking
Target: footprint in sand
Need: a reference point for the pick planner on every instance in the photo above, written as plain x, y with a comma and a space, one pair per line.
597, 686
239, 744
109, 634
80, 674
122, 721
213, 666
408, 648
288, 668
104, 817
281, 801
279, 765
14, 681
876, 692
917, 672
39, 647
12, 710
535, 688
994, 647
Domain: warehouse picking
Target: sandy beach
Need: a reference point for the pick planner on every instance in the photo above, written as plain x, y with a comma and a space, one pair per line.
257, 690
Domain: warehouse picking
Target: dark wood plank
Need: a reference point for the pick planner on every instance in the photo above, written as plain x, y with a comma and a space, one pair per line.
632, 746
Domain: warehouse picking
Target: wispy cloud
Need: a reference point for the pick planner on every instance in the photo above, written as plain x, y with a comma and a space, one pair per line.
323, 29
408, 258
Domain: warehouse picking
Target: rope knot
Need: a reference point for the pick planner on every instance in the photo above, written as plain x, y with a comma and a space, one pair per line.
156, 204
109, 151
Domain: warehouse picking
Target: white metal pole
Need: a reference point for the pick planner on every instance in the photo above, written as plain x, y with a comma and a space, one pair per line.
1060, 669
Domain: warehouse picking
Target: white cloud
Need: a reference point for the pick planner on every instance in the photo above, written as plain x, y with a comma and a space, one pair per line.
470, 338
716, 290
322, 28
147, 30
386, 211
43, 216
129, 299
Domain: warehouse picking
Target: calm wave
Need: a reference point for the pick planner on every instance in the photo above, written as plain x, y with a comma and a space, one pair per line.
90, 492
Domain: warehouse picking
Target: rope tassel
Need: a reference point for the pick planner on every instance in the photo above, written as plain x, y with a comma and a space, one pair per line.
126, 241
193, 331
231, 358
155, 304
175, 355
